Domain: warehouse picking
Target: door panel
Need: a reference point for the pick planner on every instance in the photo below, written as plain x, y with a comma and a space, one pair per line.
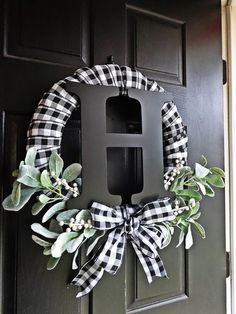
48, 32
143, 28
177, 43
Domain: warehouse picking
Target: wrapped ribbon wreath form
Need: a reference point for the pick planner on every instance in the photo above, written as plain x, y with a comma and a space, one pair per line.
149, 227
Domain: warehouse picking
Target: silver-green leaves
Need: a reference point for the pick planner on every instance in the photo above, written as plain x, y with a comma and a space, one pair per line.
67, 229
53, 185
72, 172
55, 164
25, 196
189, 187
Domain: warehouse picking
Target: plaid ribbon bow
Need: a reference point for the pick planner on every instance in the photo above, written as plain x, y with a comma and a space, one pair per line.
134, 222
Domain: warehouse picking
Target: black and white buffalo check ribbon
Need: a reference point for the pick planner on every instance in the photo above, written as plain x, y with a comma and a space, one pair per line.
55, 108
139, 224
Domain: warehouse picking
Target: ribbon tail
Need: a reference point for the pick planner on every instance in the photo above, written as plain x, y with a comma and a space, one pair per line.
88, 277
108, 258
153, 267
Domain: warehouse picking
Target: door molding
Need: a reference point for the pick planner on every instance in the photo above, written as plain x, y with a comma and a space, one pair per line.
229, 52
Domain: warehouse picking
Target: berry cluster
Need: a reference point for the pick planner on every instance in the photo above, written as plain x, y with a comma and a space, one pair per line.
178, 210
73, 189
77, 224
170, 176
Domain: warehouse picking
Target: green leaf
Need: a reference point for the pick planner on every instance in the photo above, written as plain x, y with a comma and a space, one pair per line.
218, 171
94, 240
72, 172
59, 246
183, 225
192, 203
44, 198
167, 236
52, 210
55, 164
215, 180
84, 214
209, 191
202, 187
180, 178
15, 173
200, 229
203, 160
74, 244
29, 176
195, 208
182, 202
196, 216
201, 171
188, 239
45, 179
88, 233
52, 263
185, 214
36, 227
189, 193
37, 207
26, 194
181, 238
31, 156
67, 215
47, 251
41, 242
74, 264
16, 193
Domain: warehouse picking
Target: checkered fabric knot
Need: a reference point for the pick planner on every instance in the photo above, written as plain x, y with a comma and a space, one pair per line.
137, 223
131, 223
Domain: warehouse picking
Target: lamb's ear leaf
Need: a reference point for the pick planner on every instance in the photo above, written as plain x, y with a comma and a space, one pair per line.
31, 156
59, 246
75, 244
67, 215
44, 199
52, 262
36, 227
188, 238
16, 193
88, 233
204, 161
181, 238
94, 240
29, 176
55, 164
74, 262
218, 171
41, 242
53, 210
215, 180
201, 171
26, 194
45, 179
37, 207
72, 172
200, 229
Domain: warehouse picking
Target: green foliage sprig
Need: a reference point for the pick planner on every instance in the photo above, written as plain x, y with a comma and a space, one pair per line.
68, 229
189, 186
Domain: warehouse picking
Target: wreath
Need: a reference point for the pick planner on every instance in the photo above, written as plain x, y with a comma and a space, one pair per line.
103, 230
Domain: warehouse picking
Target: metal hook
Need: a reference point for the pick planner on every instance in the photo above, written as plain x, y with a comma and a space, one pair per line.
110, 59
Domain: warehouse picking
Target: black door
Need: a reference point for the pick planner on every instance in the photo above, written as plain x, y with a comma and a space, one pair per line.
177, 43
